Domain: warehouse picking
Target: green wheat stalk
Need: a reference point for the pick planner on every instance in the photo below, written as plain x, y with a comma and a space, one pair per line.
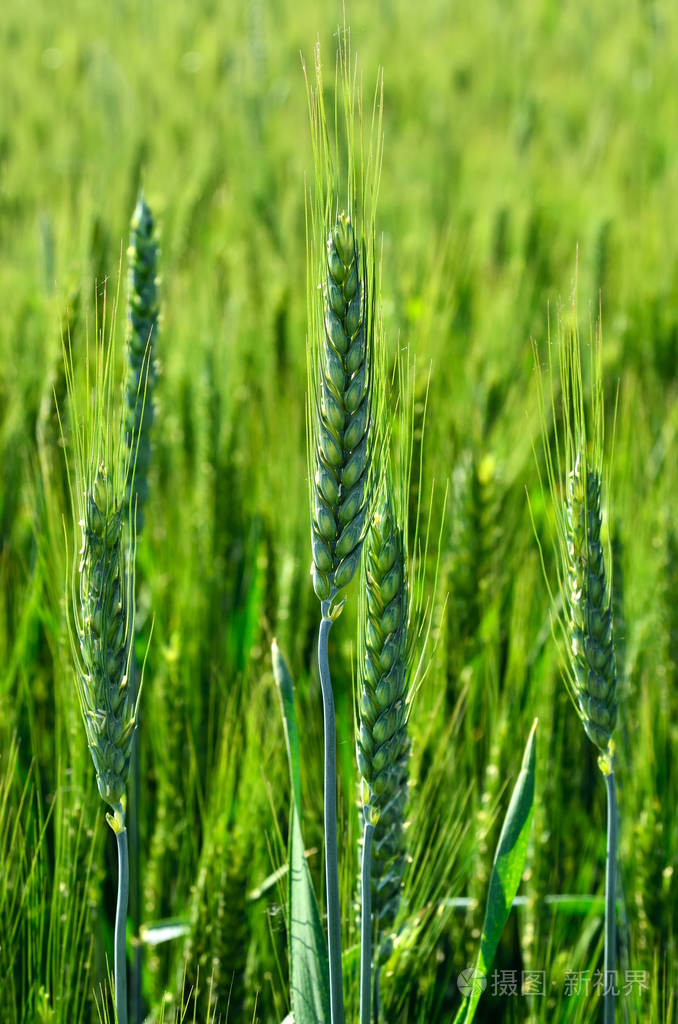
101, 599
140, 341
574, 460
344, 399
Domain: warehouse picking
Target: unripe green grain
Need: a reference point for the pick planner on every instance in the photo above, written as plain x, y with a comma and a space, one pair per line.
382, 743
103, 625
575, 477
343, 427
589, 605
142, 330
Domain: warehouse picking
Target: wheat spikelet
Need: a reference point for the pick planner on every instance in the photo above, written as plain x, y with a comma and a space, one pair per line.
394, 629
382, 744
574, 461
589, 608
343, 428
103, 629
142, 329
102, 578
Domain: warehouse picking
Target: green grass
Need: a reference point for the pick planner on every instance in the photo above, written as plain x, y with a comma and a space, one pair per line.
519, 142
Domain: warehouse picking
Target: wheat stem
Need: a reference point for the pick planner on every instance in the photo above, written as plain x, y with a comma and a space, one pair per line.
366, 925
330, 794
134, 800
610, 897
120, 963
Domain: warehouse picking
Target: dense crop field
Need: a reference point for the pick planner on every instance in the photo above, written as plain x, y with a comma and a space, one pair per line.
530, 150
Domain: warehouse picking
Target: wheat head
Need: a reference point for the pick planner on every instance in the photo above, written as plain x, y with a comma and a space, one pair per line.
142, 331
382, 743
343, 436
101, 588
103, 630
589, 608
574, 466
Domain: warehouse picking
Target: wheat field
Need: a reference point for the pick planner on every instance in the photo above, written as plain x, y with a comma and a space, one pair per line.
528, 185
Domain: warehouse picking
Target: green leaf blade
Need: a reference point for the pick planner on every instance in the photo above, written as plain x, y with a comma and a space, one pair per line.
309, 967
507, 870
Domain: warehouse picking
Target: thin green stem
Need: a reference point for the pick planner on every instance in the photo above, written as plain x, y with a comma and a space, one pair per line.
120, 963
610, 898
134, 789
366, 925
330, 789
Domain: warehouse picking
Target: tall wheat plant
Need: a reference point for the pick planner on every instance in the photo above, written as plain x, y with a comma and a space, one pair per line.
100, 591
575, 469
140, 347
344, 405
394, 627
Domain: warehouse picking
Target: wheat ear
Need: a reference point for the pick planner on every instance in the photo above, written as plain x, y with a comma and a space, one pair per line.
104, 629
104, 626
393, 635
343, 414
589, 607
593, 666
142, 332
342, 497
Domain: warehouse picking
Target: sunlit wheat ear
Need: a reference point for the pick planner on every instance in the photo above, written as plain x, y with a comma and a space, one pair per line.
382, 742
102, 574
343, 417
103, 626
589, 607
574, 467
142, 332
395, 623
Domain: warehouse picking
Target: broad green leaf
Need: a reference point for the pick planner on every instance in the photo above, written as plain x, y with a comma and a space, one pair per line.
509, 863
309, 969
